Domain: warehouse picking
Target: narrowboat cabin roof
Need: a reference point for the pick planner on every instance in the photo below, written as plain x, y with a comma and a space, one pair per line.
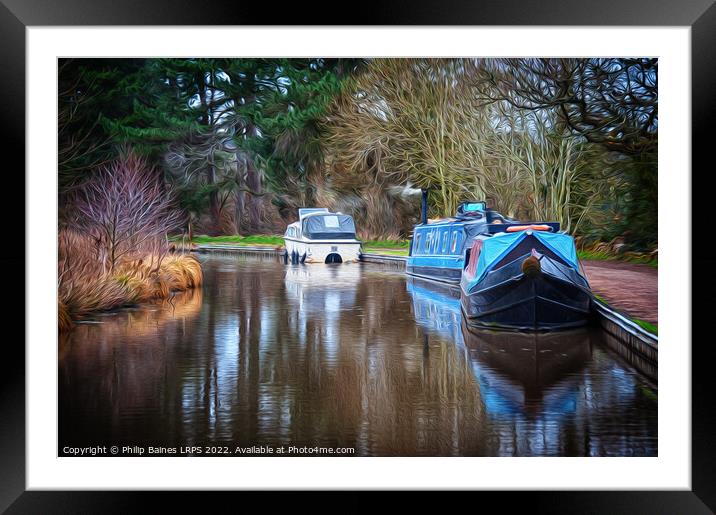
439, 250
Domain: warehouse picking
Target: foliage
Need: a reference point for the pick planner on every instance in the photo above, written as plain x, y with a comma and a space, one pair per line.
410, 121
644, 259
83, 286
242, 143
610, 102
89, 90
425, 123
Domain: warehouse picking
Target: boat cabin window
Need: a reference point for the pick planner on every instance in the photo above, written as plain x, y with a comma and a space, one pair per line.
331, 221
453, 246
474, 206
443, 248
416, 246
307, 210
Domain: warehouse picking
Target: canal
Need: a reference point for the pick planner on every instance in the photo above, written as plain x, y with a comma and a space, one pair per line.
351, 355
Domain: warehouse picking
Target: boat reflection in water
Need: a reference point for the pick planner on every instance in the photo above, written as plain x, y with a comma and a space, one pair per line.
322, 287
551, 393
320, 291
436, 307
514, 370
517, 371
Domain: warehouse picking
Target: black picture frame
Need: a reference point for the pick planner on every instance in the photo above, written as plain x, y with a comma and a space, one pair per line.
700, 15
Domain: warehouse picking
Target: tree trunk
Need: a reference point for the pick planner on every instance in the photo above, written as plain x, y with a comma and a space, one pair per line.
239, 193
253, 181
214, 208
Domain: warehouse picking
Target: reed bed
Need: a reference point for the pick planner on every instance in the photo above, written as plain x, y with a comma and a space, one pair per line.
84, 287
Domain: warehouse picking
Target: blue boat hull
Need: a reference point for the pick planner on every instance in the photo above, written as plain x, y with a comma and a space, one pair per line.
445, 275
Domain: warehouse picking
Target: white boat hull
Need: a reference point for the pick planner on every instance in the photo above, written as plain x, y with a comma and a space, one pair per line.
318, 252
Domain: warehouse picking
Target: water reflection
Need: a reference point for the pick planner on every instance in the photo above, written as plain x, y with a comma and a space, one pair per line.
342, 356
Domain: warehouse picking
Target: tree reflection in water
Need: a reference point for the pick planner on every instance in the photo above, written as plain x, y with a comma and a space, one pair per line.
342, 355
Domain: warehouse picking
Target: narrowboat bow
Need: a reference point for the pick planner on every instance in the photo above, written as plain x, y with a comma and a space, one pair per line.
527, 279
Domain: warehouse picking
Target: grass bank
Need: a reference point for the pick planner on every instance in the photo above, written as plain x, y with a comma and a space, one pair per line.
85, 288
393, 247
629, 258
258, 239
647, 326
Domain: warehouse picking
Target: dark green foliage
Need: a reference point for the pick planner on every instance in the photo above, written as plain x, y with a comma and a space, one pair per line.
89, 92
277, 107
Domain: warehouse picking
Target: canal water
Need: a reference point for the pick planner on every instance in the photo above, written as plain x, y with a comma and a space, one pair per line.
342, 356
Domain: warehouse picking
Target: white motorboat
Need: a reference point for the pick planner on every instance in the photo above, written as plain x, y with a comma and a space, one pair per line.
320, 236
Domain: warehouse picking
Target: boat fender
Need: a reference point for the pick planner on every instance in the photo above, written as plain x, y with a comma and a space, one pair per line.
531, 265
516, 228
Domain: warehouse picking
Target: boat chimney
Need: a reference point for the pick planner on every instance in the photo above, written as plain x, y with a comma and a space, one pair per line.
424, 207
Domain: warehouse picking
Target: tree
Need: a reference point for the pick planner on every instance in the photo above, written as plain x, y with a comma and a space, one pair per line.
126, 209
89, 90
406, 121
277, 108
609, 102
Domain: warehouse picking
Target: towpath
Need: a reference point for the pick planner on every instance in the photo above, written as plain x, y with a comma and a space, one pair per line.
628, 287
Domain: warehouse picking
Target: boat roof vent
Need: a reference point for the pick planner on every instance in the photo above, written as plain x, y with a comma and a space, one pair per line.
470, 206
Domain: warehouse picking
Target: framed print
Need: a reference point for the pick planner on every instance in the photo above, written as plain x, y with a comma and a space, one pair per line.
416, 252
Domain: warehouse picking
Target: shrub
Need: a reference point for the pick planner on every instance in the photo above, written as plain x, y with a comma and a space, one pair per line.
84, 287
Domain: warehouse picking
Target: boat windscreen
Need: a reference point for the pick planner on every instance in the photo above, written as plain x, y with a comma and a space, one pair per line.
307, 210
329, 226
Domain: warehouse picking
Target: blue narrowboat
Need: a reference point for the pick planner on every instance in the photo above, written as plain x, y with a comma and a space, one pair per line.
516, 275
438, 249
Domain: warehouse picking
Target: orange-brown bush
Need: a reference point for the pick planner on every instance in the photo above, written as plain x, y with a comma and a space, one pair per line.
146, 279
64, 321
84, 287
